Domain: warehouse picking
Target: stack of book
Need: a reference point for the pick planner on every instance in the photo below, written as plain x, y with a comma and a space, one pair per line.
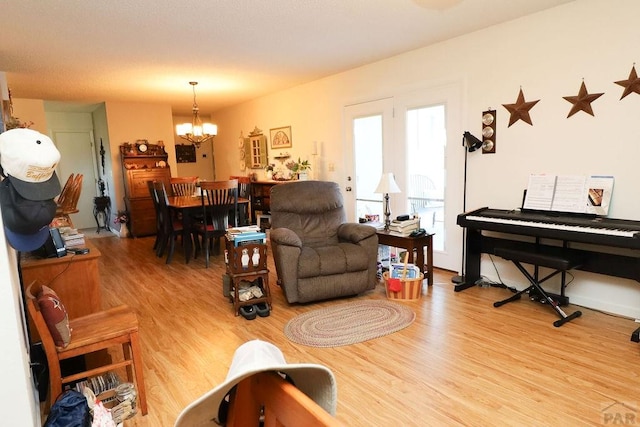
72, 239
397, 271
404, 228
248, 235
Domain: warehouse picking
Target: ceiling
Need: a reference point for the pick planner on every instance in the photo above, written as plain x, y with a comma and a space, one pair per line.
147, 51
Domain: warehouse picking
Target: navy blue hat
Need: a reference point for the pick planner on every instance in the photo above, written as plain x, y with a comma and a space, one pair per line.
26, 222
27, 242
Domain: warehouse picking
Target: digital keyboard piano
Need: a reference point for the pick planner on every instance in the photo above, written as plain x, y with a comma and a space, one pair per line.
606, 246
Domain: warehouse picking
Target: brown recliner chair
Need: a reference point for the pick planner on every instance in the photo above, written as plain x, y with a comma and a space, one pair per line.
317, 254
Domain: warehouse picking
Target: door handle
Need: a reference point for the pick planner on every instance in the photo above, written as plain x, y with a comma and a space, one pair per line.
348, 189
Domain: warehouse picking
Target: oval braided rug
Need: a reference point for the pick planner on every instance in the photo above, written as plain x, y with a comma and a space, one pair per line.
348, 323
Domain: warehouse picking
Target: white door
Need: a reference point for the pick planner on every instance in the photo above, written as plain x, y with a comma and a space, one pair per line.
428, 124
77, 156
368, 152
414, 136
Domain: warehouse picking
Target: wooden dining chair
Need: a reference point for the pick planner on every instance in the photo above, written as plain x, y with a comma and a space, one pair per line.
67, 202
65, 190
244, 192
170, 226
184, 185
219, 200
159, 224
103, 330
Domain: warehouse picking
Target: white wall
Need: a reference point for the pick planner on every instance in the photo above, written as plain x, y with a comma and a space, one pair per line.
18, 396
128, 122
31, 110
547, 54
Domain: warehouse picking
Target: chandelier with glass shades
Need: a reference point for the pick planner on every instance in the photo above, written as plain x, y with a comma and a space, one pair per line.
196, 132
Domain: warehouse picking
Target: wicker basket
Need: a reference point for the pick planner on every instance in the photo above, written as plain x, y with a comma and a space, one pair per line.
411, 288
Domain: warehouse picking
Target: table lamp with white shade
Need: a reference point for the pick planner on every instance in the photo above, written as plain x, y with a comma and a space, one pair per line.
387, 185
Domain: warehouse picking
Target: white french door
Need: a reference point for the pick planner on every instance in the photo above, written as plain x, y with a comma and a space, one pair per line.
414, 136
368, 152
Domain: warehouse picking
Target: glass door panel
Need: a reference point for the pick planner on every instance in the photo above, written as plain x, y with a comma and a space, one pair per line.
428, 121
368, 136
367, 147
426, 141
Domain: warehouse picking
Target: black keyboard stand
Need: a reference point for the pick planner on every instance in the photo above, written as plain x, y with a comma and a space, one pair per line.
560, 262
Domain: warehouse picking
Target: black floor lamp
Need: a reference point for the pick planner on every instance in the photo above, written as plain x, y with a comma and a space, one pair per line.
470, 144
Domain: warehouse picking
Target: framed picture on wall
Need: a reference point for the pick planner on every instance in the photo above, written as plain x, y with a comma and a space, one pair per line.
281, 137
185, 153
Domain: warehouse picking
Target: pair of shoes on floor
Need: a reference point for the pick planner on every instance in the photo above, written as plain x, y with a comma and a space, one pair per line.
250, 312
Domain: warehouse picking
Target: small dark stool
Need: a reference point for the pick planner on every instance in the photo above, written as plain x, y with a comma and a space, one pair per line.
561, 262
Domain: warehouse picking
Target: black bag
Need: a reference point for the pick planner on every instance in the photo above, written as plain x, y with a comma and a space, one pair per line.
70, 410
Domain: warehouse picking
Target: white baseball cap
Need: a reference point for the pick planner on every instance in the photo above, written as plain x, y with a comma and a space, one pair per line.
30, 158
252, 357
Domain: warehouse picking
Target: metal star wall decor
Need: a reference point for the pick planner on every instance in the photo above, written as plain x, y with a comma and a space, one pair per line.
520, 110
583, 101
632, 84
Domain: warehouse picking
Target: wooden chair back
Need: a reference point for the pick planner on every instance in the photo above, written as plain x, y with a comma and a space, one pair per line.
95, 332
68, 200
163, 205
155, 198
264, 399
281, 403
153, 193
219, 201
183, 185
64, 194
76, 189
244, 186
169, 226
244, 192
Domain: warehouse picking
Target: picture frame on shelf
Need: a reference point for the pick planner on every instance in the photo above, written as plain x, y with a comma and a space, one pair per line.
281, 137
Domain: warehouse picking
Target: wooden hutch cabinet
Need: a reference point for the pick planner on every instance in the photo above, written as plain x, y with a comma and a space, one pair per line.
142, 162
261, 197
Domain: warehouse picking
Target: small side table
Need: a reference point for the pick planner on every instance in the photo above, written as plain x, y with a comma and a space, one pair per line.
248, 263
418, 244
102, 210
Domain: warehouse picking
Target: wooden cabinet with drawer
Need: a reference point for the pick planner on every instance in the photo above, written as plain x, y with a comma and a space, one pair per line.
138, 168
261, 197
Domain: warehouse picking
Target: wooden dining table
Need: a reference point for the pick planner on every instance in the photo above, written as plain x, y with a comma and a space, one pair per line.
186, 206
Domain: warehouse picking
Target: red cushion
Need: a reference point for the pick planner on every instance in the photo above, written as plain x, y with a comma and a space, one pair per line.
55, 315
202, 229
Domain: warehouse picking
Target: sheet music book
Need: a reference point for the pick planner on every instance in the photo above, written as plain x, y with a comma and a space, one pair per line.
569, 193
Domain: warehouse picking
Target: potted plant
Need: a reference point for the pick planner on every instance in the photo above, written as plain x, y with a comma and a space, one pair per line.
122, 218
301, 168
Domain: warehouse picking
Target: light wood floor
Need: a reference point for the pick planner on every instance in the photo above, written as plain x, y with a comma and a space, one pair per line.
462, 362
